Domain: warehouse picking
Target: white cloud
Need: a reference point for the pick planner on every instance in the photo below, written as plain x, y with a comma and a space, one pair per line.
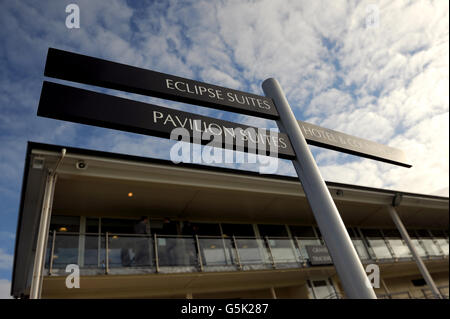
5, 289
330, 102
387, 84
6, 260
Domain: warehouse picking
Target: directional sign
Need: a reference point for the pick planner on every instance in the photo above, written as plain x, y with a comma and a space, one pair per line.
82, 106
323, 137
88, 70
318, 255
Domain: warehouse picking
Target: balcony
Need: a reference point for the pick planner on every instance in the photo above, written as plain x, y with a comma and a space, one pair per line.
424, 293
110, 253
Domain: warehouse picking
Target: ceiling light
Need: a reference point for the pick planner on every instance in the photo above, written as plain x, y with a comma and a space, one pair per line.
130, 194
62, 228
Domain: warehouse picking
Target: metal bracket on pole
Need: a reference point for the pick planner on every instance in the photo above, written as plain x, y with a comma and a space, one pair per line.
345, 258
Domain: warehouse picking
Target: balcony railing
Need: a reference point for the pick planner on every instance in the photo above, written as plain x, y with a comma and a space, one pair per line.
131, 253
424, 293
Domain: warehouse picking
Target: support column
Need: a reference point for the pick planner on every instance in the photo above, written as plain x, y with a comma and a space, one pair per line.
423, 269
272, 292
386, 289
41, 244
348, 266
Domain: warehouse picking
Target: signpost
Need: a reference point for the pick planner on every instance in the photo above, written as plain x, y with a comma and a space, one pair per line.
323, 137
318, 255
88, 70
82, 106
92, 108
348, 266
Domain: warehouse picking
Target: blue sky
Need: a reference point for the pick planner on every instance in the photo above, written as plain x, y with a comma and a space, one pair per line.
384, 79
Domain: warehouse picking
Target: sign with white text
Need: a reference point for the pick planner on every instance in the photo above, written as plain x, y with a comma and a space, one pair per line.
319, 255
89, 70
326, 138
87, 107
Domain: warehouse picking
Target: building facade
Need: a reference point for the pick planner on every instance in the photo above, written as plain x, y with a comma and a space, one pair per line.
145, 228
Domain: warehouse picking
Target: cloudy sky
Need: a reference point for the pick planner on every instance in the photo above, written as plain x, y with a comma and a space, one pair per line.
374, 69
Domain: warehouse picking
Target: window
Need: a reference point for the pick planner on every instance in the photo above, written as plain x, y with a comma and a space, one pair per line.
272, 231
400, 249
441, 240
302, 231
164, 227
65, 224
322, 289
374, 238
92, 225
240, 230
359, 244
428, 242
305, 237
200, 229
94, 244
118, 226
418, 282
66, 243
417, 244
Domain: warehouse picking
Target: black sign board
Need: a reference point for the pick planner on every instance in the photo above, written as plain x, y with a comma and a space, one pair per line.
323, 137
82, 106
88, 70
318, 255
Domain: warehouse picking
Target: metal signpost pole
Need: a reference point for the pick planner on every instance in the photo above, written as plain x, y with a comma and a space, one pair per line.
348, 266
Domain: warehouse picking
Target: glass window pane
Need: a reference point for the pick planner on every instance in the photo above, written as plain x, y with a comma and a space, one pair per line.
391, 233
443, 244
322, 289
303, 242
65, 223
360, 249
201, 229
272, 230
217, 251
252, 251
397, 244
302, 231
441, 240
428, 242
92, 225
244, 230
126, 251
164, 227
371, 232
118, 226
177, 251
94, 250
358, 243
376, 243
420, 250
351, 233
283, 250
400, 249
49, 250
66, 250
438, 233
